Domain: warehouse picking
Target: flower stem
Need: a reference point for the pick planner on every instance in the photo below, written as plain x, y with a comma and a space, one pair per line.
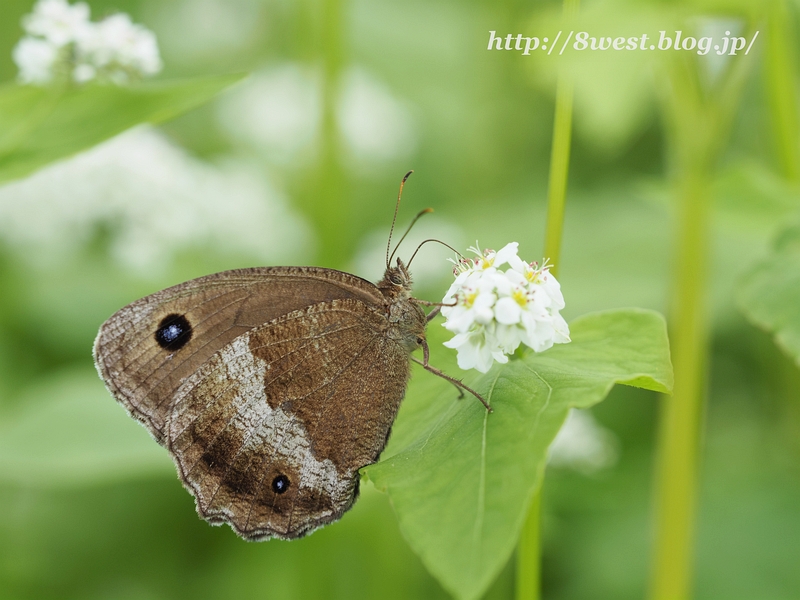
528, 584
697, 126
322, 195
528, 553
332, 214
779, 68
681, 414
694, 131
559, 169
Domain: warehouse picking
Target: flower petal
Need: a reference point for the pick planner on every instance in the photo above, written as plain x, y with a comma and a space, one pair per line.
507, 311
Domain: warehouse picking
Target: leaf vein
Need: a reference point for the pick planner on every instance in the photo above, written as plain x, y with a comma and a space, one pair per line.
476, 532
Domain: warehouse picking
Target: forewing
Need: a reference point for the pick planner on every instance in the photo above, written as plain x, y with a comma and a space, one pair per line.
310, 397
143, 375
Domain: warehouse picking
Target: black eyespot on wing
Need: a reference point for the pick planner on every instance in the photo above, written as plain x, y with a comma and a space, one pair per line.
280, 484
174, 332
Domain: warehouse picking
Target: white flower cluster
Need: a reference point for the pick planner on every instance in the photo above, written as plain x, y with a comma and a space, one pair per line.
151, 202
492, 311
62, 43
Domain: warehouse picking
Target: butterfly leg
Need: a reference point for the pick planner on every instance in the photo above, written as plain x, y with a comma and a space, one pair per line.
440, 374
456, 382
436, 310
432, 315
426, 354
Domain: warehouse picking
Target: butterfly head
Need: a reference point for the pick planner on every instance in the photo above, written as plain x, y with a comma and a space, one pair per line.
406, 317
396, 282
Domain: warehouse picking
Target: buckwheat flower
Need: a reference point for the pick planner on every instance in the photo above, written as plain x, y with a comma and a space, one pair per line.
121, 49
476, 303
63, 44
154, 202
493, 310
35, 59
84, 72
476, 350
57, 21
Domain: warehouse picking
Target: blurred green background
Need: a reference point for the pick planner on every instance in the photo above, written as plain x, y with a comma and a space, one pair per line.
299, 164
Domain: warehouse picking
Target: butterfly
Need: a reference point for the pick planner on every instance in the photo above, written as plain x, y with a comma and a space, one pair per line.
270, 387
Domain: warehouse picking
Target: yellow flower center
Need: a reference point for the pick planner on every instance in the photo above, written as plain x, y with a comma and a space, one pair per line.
520, 297
533, 275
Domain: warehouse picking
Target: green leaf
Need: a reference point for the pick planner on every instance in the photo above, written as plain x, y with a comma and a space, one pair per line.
70, 431
39, 125
461, 480
770, 294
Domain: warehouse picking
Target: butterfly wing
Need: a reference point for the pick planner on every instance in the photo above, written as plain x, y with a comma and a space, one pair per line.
146, 349
270, 432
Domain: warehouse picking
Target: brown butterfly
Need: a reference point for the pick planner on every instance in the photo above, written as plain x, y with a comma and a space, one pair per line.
270, 387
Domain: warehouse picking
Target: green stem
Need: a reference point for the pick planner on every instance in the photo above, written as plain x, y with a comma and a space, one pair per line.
323, 197
528, 554
559, 170
528, 584
781, 88
697, 126
333, 213
681, 414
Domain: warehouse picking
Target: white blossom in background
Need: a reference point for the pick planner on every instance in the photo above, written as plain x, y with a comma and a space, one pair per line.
62, 42
279, 111
211, 31
376, 126
120, 49
583, 444
154, 201
492, 311
58, 22
35, 59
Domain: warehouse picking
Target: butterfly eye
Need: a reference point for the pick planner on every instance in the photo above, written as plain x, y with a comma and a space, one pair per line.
280, 484
174, 332
420, 341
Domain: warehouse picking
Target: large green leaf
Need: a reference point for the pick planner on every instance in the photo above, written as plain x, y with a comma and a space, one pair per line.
67, 431
461, 480
39, 125
770, 294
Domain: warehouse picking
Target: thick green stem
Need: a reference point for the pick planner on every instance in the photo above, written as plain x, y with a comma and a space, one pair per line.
333, 212
681, 413
559, 170
321, 192
781, 88
697, 125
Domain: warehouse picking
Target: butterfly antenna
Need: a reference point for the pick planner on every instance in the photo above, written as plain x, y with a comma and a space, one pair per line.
461, 256
394, 219
414, 220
